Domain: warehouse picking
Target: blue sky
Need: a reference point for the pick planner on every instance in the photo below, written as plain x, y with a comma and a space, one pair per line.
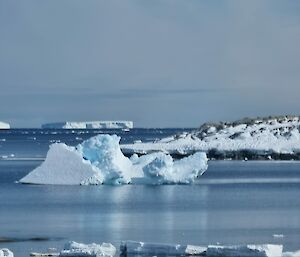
160, 63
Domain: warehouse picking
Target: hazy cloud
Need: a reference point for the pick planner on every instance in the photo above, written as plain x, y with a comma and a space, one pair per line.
160, 63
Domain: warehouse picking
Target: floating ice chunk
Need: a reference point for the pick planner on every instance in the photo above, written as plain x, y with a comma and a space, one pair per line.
4, 252
244, 251
99, 160
82, 250
141, 248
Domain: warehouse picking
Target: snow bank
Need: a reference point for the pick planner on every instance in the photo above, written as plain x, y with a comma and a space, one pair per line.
99, 160
76, 249
4, 252
4, 125
89, 125
264, 136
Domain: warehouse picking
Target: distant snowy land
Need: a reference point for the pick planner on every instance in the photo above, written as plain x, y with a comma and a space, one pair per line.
260, 138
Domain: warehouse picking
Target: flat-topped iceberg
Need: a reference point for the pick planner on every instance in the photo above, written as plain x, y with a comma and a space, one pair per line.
119, 124
4, 125
99, 160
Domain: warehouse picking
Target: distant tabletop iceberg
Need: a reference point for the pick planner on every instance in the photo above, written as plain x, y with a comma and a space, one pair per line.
89, 125
260, 138
99, 160
4, 125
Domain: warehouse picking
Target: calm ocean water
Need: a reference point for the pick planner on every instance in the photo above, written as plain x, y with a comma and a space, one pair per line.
234, 202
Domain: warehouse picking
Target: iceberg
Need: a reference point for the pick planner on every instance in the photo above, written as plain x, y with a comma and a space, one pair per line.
120, 124
4, 125
99, 160
4, 252
73, 249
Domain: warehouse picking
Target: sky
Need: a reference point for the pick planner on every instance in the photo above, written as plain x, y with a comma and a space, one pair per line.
159, 63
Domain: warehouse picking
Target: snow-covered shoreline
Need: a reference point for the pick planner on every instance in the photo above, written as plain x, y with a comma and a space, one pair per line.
266, 138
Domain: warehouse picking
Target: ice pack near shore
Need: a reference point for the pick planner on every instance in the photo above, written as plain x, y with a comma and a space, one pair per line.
99, 160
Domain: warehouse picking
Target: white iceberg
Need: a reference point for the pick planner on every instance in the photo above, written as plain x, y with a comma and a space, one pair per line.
4, 125
4, 252
73, 249
99, 160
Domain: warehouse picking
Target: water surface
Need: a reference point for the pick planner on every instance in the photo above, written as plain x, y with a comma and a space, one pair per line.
229, 205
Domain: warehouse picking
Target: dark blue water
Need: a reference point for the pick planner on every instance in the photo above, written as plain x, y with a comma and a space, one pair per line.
234, 202
34, 143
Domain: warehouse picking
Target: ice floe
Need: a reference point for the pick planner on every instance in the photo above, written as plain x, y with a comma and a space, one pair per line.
99, 160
